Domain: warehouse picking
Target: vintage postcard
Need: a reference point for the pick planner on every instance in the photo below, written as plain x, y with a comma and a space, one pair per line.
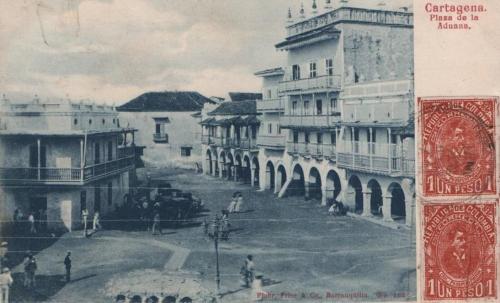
176, 151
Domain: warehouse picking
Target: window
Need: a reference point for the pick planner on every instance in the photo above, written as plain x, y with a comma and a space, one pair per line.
295, 72
319, 107
312, 70
114, 121
158, 128
319, 138
269, 94
118, 122
186, 151
90, 121
103, 121
97, 198
110, 193
75, 121
333, 138
333, 105
270, 128
254, 131
278, 129
294, 107
306, 137
306, 107
329, 67
110, 150
295, 136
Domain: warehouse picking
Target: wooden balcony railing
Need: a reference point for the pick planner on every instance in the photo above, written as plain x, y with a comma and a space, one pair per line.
67, 175
160, 138
319, 121
271, 141
316, 83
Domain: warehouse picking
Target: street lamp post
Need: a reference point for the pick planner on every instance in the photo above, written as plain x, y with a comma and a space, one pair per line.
216, 244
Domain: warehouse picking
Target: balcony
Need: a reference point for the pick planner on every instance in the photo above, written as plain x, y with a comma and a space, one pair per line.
377, 158
243, 143
160, 138
310, 121
273, 142
315, 150
68, 176
270, 105
321, 83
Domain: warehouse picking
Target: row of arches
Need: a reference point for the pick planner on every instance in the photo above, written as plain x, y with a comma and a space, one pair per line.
237, 168
370, 198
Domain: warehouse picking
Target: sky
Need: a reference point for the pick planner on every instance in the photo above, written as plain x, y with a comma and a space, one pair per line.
110, 51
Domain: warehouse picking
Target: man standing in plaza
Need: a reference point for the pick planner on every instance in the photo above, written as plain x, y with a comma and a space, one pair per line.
249, 270
85, 215
67, 265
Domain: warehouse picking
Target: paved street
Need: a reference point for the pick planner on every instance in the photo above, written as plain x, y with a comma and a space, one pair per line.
297, 247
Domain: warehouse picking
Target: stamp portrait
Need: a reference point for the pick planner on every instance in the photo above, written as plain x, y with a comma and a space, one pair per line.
459, 251
458, 146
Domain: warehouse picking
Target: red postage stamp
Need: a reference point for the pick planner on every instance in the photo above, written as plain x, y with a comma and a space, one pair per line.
458, 146
459, 251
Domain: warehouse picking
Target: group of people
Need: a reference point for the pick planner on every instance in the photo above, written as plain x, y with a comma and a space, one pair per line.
34, 222
96, 221
236, 204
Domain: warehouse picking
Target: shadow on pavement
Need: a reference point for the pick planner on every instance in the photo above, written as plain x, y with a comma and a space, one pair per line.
46, 287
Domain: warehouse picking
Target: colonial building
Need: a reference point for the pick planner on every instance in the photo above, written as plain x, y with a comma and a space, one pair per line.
61, 157
337, 120
229, 141
167, 126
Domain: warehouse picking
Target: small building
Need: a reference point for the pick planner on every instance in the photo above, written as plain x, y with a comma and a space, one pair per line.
168, 126
59, 158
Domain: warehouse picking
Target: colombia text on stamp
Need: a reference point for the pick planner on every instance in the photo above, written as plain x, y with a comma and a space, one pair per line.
459, 244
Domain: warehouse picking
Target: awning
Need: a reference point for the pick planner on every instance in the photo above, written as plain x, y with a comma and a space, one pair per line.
208, 121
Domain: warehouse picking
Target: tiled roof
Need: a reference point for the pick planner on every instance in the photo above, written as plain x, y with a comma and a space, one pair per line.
238, 96
248, 107
169, 101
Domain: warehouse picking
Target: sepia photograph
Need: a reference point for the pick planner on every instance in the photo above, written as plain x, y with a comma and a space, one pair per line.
168, 151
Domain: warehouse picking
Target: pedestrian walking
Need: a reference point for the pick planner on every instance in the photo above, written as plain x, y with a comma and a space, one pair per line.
67, 265
239, 203
85, 215
30, 268
96, 224
232, 205
225, 225
249, 270
5, 283
31, 220
156, 223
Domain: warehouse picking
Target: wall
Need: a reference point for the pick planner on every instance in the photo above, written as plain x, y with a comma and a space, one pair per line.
377, 52
183, 130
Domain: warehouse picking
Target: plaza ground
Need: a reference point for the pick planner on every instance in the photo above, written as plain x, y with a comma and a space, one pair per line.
301, 252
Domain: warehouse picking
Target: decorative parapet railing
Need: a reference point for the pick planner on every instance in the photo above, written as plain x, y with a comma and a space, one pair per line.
160, 138
310, 84
320, 150
229, 142
350, 14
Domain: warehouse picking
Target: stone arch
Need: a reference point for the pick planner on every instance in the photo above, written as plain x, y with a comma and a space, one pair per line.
246, 169
297, 184
355, 190
169, 299
255, 172
398, 201
270, 175
376, 197
153, 299
314, 180
281, 177
333, 185
209, 161
215, 161
222, 160
186, 300
136, 299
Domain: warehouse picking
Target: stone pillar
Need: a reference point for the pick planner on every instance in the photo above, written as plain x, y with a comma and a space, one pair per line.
386, 208
410, 204
228, 169
233, 172
214, 164
235, 175
323, 195
306, 190
252, 177
221, 168
277, 183
367, 197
